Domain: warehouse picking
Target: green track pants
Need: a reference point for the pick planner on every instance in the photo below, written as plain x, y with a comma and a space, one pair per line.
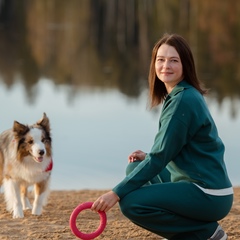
176, 211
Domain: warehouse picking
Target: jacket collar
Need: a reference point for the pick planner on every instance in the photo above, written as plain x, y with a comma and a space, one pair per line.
179, 88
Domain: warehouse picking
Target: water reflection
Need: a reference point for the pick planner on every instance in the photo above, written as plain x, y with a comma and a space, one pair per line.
85, 63
107, 44
93, 135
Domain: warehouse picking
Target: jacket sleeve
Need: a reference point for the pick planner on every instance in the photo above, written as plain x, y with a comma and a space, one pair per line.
172, 136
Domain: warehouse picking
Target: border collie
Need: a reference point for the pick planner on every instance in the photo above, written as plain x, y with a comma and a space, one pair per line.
26, 160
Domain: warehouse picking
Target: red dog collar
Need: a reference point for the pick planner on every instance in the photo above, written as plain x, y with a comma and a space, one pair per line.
50, 166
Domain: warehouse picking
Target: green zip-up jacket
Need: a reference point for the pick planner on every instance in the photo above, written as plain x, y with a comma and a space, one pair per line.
187, 144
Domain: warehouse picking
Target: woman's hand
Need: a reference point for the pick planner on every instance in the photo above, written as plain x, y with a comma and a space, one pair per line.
136, 156
105, 202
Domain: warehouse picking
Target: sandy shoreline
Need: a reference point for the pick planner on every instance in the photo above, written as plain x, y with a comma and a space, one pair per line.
54, 223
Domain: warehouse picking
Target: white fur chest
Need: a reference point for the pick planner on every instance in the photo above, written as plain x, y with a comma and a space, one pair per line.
30, 171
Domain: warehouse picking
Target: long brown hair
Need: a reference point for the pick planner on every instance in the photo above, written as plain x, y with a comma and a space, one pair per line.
157, 89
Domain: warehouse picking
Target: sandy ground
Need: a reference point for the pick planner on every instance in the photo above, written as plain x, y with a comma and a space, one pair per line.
54, 222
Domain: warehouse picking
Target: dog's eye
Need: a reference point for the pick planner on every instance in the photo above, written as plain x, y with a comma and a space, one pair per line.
30, 142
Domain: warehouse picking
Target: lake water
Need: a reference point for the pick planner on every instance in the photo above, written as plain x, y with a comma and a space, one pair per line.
85, 63
94, 131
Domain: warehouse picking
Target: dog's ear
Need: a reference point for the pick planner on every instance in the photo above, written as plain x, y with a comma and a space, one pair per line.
44, 122
19, 129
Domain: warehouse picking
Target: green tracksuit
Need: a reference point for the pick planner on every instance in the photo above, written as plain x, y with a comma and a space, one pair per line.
189, 188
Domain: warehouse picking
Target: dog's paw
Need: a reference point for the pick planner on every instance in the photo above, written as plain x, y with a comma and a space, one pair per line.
37, 210
18, 213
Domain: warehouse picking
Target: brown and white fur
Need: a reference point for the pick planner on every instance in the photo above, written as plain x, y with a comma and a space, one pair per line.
26, 160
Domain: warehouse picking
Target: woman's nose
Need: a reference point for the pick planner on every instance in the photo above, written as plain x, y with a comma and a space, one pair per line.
166, 64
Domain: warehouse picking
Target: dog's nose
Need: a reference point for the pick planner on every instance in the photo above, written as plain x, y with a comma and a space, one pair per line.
41, 152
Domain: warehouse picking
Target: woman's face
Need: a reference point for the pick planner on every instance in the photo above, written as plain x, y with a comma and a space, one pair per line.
168, 66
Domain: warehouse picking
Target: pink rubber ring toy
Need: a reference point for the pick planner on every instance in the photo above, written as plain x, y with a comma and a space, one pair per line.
77, 232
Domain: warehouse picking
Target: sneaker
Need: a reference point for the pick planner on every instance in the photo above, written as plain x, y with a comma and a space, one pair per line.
219, 234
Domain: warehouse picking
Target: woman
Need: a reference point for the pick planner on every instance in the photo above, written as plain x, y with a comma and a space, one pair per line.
180, 189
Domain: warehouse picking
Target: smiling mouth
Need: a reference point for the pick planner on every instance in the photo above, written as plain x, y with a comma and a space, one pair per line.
38, 159
166, 73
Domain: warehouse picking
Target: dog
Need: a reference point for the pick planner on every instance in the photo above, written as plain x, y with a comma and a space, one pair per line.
26, 160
